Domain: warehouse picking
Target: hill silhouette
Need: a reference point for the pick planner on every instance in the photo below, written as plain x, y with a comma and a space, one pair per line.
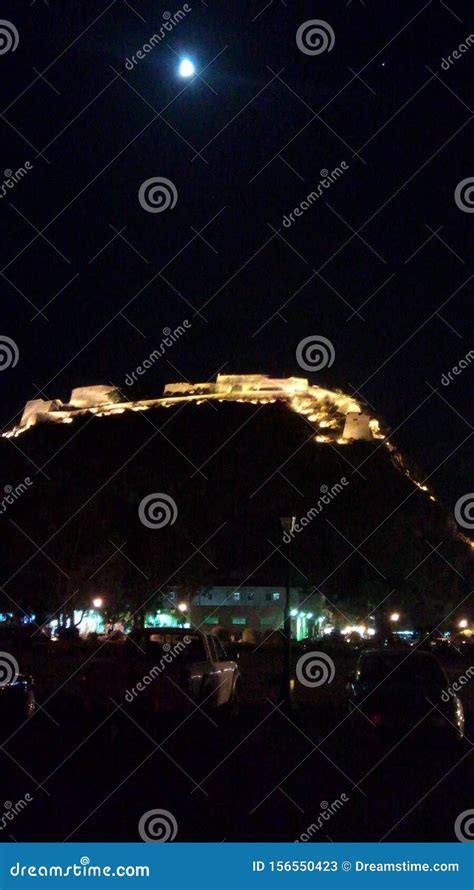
233, 470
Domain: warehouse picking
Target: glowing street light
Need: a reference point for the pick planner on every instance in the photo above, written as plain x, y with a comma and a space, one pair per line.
97, 602
395, 616
463, 623
186, 68
182, 607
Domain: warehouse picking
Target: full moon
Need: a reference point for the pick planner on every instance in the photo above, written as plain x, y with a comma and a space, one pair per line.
186, 68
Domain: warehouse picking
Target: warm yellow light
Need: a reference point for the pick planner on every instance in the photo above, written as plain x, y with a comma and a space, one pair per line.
395, 616
182, 607
463, 623
97, 602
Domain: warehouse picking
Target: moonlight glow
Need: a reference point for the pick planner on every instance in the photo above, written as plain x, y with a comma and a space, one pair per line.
186, 68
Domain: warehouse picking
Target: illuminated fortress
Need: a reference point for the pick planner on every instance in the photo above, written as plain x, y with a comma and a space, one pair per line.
335, 417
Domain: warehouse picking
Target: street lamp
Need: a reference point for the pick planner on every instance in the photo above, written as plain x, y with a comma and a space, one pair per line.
395, 616
462, 624
97, 602
288, 523
182, 607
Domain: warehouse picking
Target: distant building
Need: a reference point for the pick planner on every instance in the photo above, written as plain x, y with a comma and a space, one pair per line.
256, 607
357, 426
241, 384
336, 417
93, 396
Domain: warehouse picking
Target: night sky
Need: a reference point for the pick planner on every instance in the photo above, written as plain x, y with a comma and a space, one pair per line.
380, 265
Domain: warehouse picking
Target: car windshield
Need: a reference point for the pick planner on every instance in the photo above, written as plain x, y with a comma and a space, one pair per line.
412, 669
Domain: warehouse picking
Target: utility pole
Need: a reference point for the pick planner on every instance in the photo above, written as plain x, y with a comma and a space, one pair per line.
288, 525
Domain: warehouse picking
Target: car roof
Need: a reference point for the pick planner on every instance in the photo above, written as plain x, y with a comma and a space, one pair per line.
397, 655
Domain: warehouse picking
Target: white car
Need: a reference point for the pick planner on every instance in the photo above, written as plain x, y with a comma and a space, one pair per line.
161, 671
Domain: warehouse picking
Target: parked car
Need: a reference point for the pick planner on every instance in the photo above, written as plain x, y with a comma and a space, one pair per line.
393, 694
161, 671
17, 701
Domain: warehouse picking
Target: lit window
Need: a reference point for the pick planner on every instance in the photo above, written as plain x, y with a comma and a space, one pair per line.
276, 596
236, 595
239, 621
